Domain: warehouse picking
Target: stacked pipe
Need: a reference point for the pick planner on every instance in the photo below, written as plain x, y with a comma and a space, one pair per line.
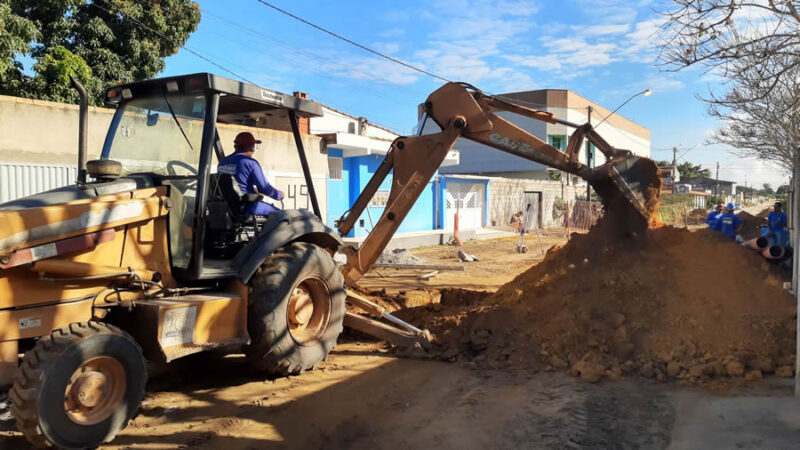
762, 245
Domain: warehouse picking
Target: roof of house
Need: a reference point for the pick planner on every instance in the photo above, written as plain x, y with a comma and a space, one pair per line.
356, 118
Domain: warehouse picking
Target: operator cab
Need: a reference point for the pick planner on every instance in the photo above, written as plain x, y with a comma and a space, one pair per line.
168, 130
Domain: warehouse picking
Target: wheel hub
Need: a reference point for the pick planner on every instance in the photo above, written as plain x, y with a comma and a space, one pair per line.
301, 307
95, 390
89, 389
309, 310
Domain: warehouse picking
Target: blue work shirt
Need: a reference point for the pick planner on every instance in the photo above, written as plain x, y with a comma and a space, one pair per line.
728, 224
777, 220
712, 219
250, 178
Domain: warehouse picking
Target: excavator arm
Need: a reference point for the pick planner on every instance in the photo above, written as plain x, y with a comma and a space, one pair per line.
627, 184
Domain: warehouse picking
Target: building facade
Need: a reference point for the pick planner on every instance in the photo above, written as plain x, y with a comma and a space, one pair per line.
719, 188
355, 148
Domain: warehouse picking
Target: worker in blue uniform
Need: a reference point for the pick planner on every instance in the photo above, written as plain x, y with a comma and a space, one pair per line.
248, 174
777, 225
712, 219
730, 223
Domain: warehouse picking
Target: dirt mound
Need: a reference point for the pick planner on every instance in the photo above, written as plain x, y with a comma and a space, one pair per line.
675, 305
764, 213
752, 225
696, 216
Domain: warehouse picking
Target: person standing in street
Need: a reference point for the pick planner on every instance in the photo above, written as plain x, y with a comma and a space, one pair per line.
730, 224
712, 219
776, 221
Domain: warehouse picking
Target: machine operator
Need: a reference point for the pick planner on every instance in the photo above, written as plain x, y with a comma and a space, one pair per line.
248, 174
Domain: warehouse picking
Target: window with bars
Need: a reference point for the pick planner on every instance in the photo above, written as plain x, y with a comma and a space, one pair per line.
559, 142
335, 168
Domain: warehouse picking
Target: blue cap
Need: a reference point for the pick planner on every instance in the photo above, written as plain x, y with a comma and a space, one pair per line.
731, 206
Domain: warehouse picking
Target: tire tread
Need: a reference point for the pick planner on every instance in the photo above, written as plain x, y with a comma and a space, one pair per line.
29, 379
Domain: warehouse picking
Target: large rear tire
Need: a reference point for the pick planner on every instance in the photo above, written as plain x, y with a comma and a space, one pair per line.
296, 310
78, 386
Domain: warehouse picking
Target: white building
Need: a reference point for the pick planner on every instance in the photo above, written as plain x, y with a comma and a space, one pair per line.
618, 131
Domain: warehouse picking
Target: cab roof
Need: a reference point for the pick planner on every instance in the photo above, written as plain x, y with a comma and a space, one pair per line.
239, 102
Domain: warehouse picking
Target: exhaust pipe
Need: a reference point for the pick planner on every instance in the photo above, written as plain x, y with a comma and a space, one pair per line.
83, 128
773, 252
759, 243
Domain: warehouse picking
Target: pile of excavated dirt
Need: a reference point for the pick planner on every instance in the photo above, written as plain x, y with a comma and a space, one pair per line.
752, 225
696, 216
676, 304
764, 213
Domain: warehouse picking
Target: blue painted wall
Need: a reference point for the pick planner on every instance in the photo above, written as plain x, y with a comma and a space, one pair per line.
356, 172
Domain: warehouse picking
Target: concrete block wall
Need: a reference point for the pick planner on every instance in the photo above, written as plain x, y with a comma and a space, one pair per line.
508, 194
35, 133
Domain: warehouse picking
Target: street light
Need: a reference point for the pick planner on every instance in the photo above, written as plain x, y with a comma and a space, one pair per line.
645, 92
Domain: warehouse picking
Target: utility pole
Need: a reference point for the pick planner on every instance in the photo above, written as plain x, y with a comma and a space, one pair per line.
716, 186
795, 239
588, 154
674, 166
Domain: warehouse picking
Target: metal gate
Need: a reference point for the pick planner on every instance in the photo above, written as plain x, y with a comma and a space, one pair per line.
468, 197
22, 179
532, 210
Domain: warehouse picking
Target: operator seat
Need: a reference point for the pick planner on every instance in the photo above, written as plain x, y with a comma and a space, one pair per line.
229, 225
236, 200
227, 205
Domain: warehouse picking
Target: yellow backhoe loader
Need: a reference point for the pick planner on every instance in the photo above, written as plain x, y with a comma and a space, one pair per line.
151, 256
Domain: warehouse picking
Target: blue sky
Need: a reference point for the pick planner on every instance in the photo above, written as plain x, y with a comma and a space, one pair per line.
601, 49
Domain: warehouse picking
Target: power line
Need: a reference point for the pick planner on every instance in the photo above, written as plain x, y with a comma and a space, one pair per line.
352, 42
296, 49
190, 50
687, 151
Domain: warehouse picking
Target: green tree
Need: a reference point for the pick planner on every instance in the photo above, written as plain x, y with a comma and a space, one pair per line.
782, 189
16, 35
100, 42
689, 170
767, 189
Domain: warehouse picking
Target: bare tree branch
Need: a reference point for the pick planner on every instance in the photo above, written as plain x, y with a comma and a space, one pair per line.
755, 47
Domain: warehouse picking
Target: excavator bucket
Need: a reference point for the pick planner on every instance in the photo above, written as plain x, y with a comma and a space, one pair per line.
629, 186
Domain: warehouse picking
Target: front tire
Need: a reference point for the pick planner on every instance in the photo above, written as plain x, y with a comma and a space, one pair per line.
296, 310
78, 386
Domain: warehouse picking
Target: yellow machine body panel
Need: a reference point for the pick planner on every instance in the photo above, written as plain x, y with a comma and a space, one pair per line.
32, 226
169, 328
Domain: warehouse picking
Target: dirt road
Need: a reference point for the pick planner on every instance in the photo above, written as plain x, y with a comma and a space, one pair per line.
499, 263
363, 399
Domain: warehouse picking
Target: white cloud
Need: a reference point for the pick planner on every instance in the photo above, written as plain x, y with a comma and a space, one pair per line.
640, 44
568, 57
499, 44
601, 30
387, 47
661, 83
365, 68
393, 33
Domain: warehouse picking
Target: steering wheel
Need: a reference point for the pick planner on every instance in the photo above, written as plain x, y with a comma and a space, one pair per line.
172, 164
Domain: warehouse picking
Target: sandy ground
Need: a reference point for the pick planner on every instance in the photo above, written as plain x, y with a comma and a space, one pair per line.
365, 397
499, 263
